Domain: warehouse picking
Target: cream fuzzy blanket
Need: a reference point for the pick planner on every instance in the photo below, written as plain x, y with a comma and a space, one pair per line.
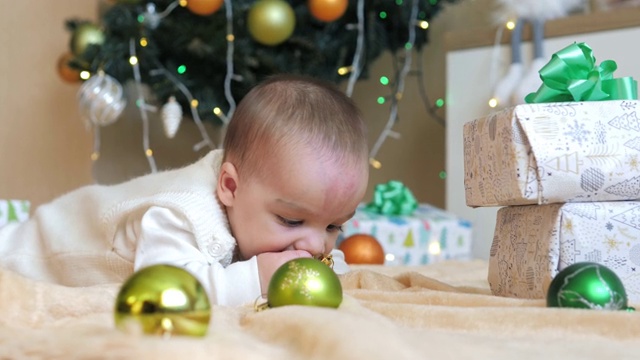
440, 311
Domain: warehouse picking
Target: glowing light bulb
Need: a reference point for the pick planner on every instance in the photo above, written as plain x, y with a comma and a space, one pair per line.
84, 75
133, 60
148, 152
230, 37
510, 25
375, 163
194, 103
493, 102
390, 257
95, 155
434, 248
423, 24
144, 42
183, 3
344, 70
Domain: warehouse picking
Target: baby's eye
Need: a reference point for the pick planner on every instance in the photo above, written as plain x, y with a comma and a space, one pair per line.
334, 228
289, 222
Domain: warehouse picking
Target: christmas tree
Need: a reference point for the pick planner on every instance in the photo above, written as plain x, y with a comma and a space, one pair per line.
207, 54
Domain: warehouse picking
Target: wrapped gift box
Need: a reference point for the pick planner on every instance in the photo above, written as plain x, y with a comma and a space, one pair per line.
13, 211
428, 235
533, 243
554, 153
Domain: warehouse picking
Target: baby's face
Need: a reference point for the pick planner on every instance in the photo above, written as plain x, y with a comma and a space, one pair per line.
301, 204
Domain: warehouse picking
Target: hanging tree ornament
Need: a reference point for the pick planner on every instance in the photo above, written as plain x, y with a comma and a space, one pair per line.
171, 117
327, 10
204, 7
83, 36
100, 100
271, 22
66, 72
163, 300
587, 285
304, 281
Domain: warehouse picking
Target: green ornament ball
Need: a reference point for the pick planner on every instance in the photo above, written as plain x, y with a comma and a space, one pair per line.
304, 281
163, 300
271, 22
587, 285
84, 35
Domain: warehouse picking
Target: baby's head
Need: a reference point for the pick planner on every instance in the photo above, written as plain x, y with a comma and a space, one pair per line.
295, 166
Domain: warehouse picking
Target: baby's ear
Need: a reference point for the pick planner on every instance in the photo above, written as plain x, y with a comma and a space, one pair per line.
227, 183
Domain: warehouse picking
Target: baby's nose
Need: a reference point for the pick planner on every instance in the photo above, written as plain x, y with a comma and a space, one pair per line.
314, 244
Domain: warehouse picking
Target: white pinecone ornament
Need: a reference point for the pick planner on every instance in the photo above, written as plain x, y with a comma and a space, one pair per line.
171, 117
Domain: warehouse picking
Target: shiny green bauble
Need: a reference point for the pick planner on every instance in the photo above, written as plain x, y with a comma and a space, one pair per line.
304, 281
163, 300
271, 22
587, 285
84, 35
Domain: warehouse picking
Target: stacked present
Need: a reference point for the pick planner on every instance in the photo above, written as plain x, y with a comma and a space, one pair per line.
567, 174
13, 211
410, 233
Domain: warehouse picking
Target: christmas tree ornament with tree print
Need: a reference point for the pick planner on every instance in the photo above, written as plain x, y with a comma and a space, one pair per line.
304, 281
204, 7
100, 100
171, 117
271, 22
84, 35
587, 285
163, 300
327, 10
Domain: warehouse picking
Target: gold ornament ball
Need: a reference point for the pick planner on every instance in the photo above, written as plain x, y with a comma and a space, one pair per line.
163, 300
362, 249
204, 7
327, 10
271, 22
66, 72
84, 35
304, 281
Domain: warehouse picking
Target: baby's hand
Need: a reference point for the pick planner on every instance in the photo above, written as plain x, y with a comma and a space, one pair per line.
268, 263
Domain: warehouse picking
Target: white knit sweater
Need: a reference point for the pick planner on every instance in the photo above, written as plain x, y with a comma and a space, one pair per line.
70, 241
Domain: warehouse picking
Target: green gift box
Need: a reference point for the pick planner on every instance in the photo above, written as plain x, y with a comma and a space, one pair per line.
13, 211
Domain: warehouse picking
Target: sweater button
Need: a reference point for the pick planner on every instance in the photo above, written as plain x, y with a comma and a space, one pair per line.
215, 250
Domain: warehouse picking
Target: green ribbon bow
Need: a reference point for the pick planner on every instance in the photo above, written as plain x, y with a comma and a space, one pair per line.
572, 75
392, 198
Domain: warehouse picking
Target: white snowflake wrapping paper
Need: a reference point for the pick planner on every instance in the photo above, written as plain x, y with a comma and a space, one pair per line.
533, 243
428, 235
13, 211
554, 153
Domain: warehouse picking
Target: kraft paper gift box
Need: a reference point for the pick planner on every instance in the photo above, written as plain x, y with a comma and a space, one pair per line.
533, 243
554, 153
427, 235
13, 211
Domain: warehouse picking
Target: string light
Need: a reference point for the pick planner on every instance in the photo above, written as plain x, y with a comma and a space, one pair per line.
143, 42
510, 25
133, 60
434, 248
493, 102
344, 70
85, 75
375, 163
423, 24
384, 80
393, 114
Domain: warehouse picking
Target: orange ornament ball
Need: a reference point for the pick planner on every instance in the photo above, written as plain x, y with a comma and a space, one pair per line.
327, 10
362, 249
204, 7
66, 72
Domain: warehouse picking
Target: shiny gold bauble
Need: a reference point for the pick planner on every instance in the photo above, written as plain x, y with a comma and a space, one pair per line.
304, 281
327, 10
362, 249
66, 72
271, 22
163, 300
84, 35
204, 7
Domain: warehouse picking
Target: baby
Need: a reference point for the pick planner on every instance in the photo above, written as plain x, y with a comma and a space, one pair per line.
292, 170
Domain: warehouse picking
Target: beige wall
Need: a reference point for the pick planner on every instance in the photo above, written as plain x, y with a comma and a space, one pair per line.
44, 148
